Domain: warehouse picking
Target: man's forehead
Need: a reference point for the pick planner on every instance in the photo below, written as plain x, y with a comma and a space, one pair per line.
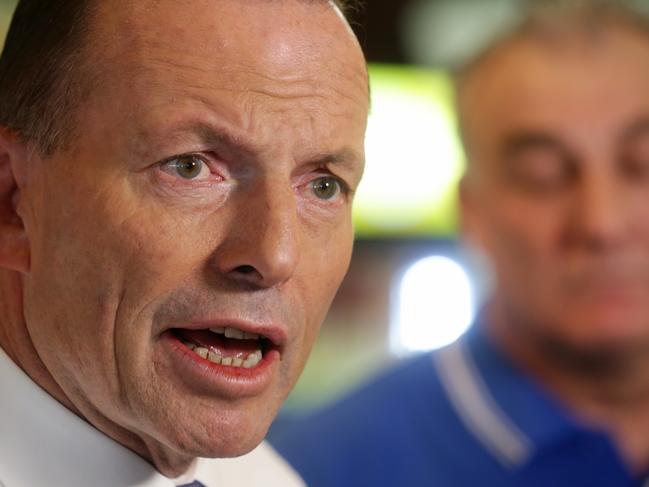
283, 40
562, 48
266, 28
532, 73
230, 68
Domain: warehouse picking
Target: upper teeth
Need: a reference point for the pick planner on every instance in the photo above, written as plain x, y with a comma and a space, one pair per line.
249, 362
234, 333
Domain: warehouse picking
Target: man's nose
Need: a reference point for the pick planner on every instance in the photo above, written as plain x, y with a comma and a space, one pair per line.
261, 248
598, 216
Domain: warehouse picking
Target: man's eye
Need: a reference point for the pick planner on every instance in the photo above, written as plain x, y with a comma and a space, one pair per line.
541, 171
635, 158
326, 188
189, 166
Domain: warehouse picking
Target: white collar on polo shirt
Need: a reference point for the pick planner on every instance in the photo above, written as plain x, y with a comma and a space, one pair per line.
43, 443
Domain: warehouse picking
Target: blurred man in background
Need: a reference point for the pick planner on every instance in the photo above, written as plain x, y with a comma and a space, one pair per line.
176, 182
551, 386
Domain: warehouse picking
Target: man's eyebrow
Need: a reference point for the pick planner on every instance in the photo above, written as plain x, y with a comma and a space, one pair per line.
214, 135
343, 157
221, 137
519, 142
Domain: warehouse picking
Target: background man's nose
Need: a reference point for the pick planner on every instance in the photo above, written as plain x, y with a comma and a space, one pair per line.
261, 248
597, 214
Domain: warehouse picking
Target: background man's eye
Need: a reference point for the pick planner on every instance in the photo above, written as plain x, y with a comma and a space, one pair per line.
326, 188
187, 167
541, 170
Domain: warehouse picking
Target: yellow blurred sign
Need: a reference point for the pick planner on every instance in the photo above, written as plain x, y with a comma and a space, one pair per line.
414, 156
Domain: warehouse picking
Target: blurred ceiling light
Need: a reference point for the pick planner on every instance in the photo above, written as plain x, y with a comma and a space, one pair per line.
433, 305
414, 158
447, 33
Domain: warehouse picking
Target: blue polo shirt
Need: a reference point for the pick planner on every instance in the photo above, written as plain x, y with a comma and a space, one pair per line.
462, 416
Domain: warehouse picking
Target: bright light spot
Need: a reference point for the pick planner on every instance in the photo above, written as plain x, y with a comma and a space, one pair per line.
434, 305
414, 158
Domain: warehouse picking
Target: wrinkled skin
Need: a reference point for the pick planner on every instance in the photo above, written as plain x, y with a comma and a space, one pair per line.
114, 246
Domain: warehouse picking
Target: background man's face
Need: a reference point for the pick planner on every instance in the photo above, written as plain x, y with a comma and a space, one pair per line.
559, 140
209, 186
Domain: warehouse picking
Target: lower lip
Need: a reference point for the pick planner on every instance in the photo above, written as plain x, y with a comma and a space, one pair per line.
208, 377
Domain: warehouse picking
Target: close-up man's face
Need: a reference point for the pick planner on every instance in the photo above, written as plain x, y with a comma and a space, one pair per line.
557, 191
186, 248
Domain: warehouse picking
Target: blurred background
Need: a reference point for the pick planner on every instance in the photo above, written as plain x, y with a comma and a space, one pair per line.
411, 287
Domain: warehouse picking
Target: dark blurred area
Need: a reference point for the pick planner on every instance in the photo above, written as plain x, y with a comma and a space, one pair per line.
377, 26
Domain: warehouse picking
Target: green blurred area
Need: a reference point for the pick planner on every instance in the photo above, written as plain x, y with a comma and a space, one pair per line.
6, 11
414, 156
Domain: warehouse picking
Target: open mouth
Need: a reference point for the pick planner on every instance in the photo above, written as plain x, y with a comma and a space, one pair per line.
226, 346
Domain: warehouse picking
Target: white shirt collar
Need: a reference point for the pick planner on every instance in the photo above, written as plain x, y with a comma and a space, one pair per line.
44, 443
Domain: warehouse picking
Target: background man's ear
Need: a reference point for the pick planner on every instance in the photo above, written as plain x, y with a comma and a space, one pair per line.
14, 244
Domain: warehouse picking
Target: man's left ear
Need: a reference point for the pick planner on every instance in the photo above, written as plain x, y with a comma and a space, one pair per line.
14, 244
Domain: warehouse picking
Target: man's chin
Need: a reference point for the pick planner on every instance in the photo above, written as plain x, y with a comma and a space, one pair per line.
607, 334
234, 444
220, 439
601, 352
176, 458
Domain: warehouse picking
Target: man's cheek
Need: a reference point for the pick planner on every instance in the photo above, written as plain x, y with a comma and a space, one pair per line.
323, 282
